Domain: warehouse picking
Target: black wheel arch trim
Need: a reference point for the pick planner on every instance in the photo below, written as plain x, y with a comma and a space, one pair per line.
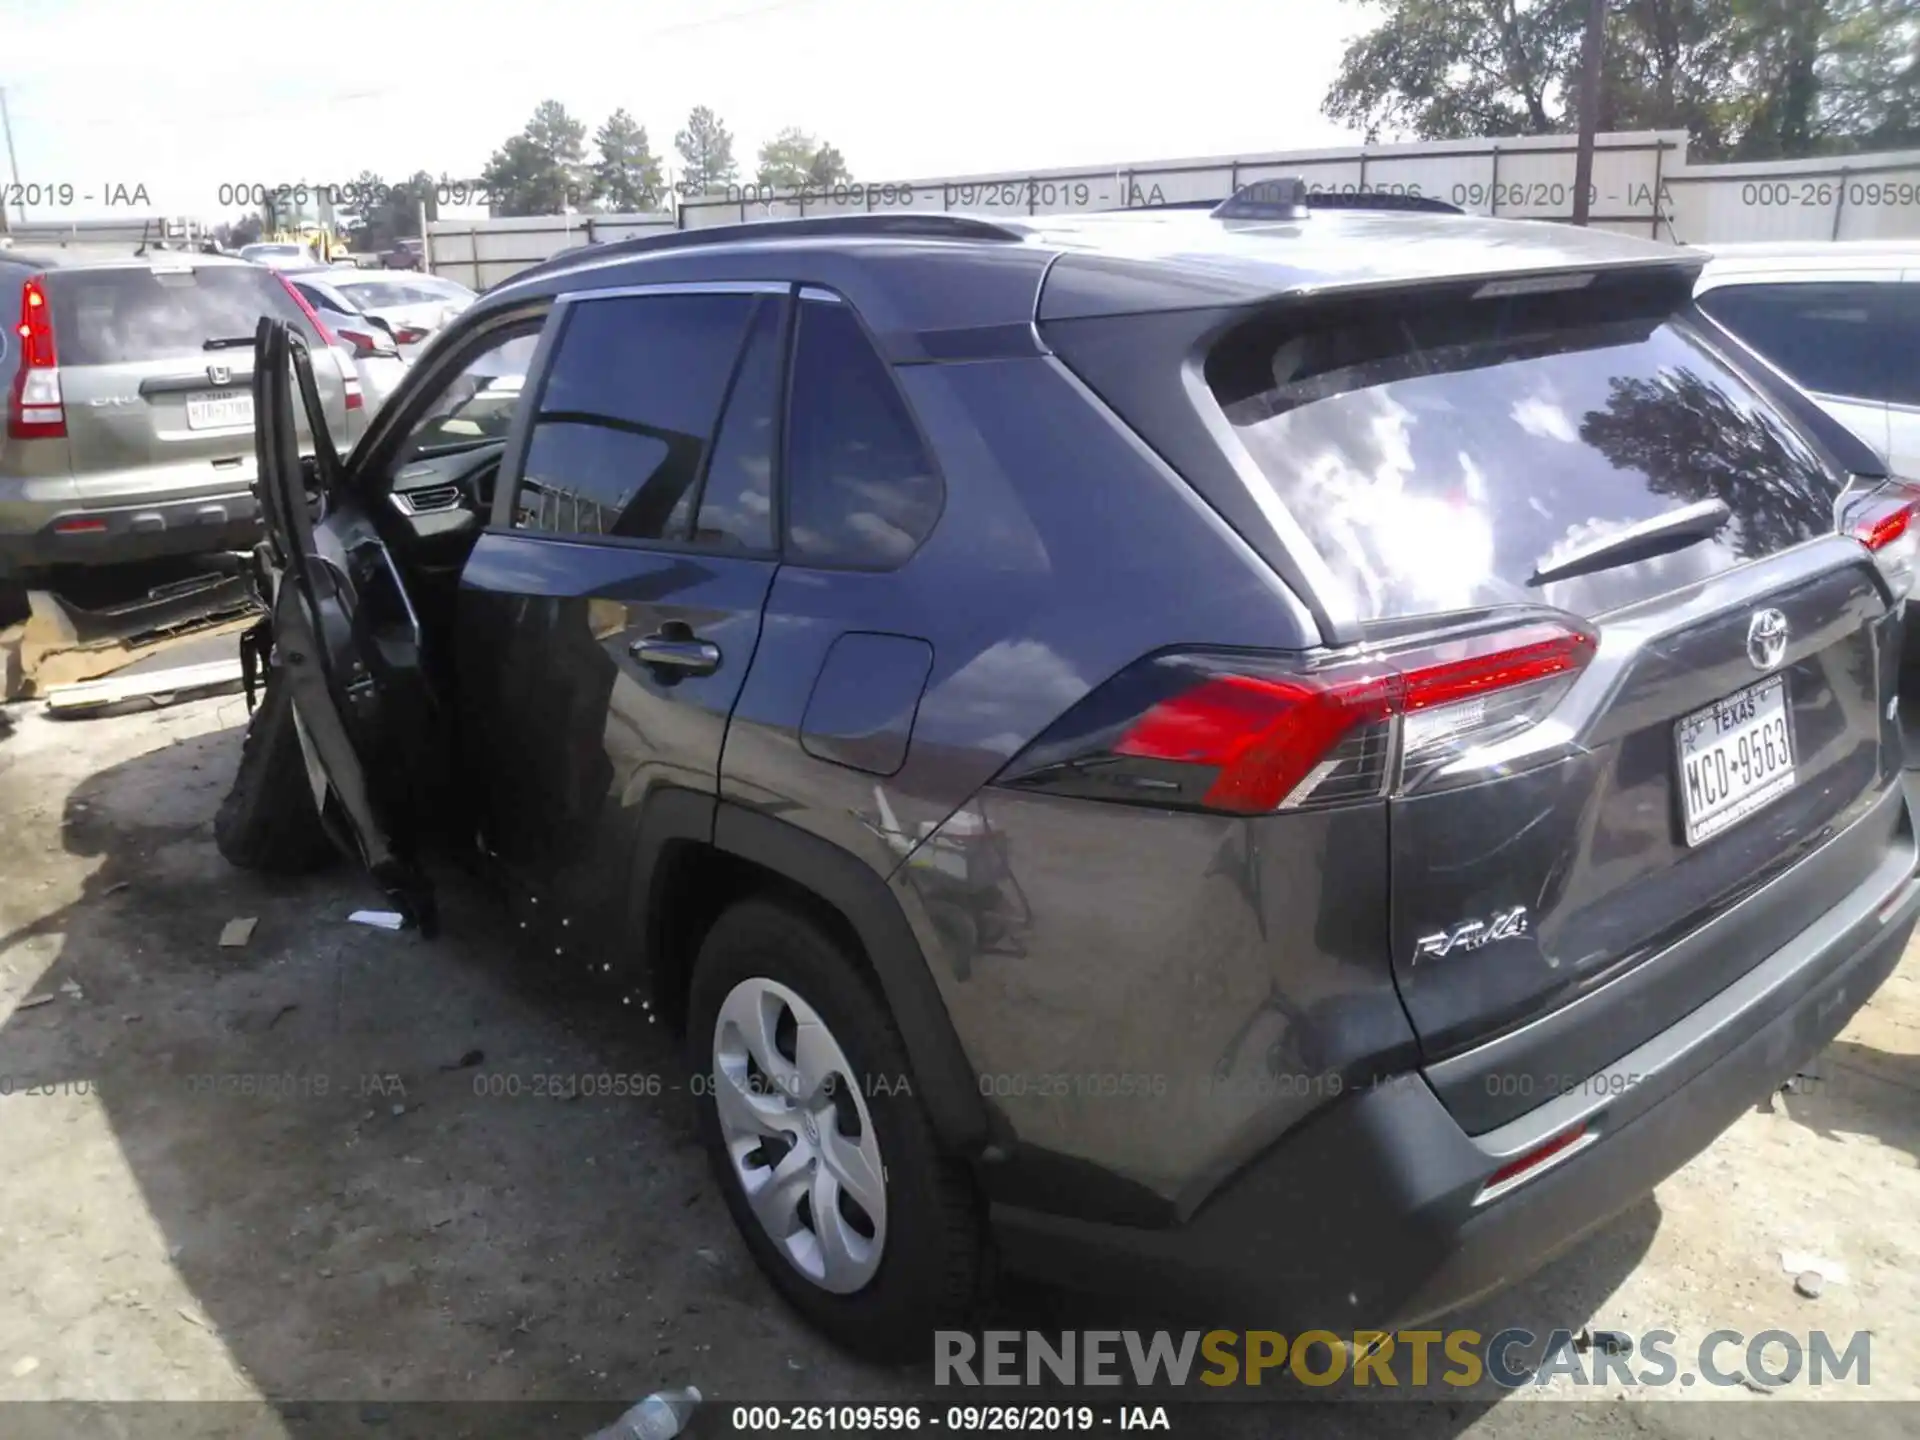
945, 1079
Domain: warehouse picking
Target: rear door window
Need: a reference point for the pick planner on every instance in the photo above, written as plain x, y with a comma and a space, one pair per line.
862, 491
627, 414
1436, 455
1832, 338
134, 314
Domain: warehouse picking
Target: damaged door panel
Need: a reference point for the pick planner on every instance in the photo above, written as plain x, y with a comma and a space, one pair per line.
343, 632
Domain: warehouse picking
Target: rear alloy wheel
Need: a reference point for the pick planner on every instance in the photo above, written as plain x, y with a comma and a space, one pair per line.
823, 1152
799, 1135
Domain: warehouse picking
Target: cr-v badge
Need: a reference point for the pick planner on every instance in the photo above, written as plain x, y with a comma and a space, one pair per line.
1766, 638
1472, 934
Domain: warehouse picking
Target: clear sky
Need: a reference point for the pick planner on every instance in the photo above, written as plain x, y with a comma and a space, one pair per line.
182, 96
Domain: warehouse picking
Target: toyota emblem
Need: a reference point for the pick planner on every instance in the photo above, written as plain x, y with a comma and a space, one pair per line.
219, 374
1766, 638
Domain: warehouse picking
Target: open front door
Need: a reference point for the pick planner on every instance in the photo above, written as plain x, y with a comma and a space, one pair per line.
342, 632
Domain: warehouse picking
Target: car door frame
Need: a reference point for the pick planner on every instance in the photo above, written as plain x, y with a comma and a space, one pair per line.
673, 814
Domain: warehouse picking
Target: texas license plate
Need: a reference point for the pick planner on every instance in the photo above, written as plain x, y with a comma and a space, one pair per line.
219, 410
1734, 756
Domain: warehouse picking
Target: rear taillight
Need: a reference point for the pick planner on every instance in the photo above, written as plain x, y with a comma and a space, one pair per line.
1886, 523
367, 342
410, 335
35, 410
1252, 735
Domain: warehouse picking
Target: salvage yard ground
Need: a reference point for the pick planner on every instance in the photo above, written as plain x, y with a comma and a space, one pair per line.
390, 1228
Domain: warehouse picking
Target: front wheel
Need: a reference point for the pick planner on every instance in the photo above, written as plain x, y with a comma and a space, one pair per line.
824, 1154
268, 822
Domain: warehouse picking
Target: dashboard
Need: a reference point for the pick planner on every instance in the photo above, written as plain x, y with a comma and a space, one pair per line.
444, 500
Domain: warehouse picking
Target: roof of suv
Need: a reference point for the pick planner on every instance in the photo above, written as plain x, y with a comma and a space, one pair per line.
1790, 255
920, 272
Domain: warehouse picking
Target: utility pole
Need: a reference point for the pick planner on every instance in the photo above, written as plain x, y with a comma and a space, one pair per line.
13, 165
1592, 58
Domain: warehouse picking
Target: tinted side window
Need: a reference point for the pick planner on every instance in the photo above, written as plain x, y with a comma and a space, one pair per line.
1833, 339
476, 407
861, 489
628, 412
736, 500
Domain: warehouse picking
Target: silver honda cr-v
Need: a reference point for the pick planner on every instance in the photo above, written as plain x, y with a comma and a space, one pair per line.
129, 427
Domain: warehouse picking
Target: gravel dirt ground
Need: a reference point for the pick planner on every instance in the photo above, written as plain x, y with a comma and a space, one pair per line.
380, 1223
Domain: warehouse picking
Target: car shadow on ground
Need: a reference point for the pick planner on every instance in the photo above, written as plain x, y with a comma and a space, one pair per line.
336, 1164
1856, 1089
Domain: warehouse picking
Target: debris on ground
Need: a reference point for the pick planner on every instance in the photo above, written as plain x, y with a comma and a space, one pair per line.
1809, 1284
1798, 1263
237, 931
712, 1257
33, 1001
1610, 1342
658, 1417
71, 989
379, 919
467, 1061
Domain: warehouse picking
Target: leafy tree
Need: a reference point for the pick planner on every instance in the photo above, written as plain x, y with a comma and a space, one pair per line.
706, 153
1446, 69
542, 170
786, 160
1745, 78
828, 167
626, 176
1830, 76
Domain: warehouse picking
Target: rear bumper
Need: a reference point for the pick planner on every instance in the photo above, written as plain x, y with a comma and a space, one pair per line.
1366, 1217
112, 534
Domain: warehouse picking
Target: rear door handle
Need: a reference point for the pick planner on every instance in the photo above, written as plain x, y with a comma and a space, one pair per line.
676, 654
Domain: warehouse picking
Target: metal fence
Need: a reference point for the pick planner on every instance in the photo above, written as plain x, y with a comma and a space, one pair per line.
1642, 185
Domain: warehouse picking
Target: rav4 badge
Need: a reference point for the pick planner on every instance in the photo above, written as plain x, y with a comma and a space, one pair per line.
1472, 934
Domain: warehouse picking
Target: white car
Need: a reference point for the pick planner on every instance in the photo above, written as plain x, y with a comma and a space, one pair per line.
414, 305
280, 254
1841, 319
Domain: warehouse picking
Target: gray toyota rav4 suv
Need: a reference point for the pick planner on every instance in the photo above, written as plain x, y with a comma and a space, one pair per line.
129, 428
1303, 756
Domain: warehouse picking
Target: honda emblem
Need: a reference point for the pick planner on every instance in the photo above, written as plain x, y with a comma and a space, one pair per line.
219, 374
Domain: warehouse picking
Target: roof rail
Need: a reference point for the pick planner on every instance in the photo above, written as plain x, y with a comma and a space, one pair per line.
910, 224
1379, 200
1316, 200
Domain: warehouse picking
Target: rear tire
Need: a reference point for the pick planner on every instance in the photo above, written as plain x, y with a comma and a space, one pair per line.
933, 1260
268, 821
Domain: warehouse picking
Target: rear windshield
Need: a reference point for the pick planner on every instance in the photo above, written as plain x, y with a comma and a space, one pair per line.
1437, 455
123, 316
395, 292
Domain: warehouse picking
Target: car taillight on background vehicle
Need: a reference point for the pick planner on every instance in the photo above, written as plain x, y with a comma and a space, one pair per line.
410, 335
1887, 522
35, 410
1253, 735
